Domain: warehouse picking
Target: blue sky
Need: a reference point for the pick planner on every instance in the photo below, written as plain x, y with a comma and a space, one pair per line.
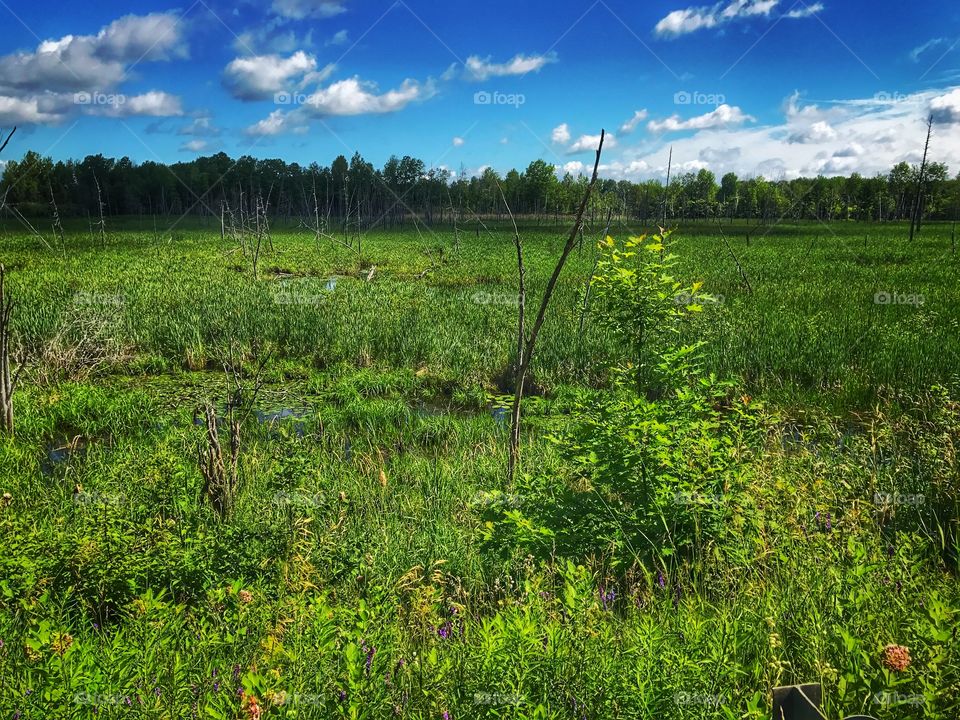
768, 87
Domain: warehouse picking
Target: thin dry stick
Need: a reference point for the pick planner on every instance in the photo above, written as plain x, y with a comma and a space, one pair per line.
523, 363
4, 145
522, 296
103, 227
57, 225
743, 275
8, 379
586, 292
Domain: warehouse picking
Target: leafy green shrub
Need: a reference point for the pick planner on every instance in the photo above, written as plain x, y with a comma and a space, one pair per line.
656, 457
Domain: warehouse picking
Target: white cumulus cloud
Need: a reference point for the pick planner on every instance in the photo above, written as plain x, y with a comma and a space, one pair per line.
482, 68
561, 134
723, 116
630, 125
303, 9
259, 77
691, 19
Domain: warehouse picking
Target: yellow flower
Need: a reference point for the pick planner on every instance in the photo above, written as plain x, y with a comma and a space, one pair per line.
61, 643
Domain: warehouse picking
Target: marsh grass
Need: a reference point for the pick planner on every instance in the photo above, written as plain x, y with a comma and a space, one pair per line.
364, 528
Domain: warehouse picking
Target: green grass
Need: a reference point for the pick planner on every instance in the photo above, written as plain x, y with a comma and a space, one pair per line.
377, 586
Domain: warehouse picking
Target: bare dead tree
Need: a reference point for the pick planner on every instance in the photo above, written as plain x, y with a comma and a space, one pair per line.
219, 479
526, 344
8, 379
921, 178
221, 475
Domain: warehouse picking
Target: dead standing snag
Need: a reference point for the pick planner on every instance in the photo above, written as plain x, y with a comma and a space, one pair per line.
527, 344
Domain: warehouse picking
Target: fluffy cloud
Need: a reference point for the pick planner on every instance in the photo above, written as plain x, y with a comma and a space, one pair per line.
195, 146
458, 142
200, 127
151, 104
863, 135
630, 125
261, 76
38, 86
723, 116
481, 68
945, 109
340, 38
133, 38
692, 19
93, 62
817, 132
805, 11
17, 111
346, 97
303, 9
276, 123
590, 143
354, 96
585, 143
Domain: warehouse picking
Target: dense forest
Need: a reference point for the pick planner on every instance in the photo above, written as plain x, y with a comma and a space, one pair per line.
355, 192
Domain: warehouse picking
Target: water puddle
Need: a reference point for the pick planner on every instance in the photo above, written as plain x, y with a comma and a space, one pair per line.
297, 417
61, 452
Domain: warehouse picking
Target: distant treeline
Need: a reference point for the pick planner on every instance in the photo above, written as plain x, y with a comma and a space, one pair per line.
356, 194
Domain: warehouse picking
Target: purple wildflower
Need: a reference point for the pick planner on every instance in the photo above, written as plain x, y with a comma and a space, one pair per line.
661, 580
342, 695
